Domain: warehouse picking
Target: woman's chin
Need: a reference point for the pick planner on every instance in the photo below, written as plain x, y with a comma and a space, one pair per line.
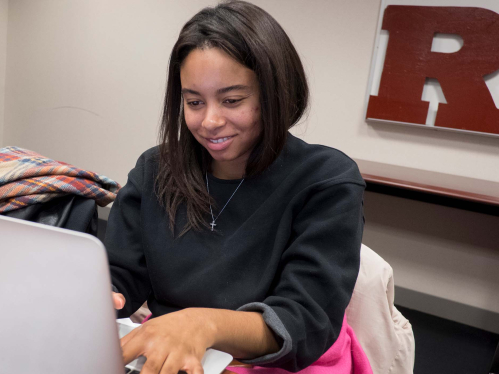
221, 159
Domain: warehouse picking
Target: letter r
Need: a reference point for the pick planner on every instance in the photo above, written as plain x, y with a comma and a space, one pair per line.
409, 61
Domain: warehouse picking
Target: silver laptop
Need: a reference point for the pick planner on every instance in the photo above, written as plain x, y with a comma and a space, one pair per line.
56, 313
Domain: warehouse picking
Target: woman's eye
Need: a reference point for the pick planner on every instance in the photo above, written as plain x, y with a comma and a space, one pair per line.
193, 103
232, 101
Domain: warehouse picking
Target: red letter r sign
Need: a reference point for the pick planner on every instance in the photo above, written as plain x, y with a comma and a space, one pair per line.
409, 61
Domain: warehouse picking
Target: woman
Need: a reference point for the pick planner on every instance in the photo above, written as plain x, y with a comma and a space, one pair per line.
240, 236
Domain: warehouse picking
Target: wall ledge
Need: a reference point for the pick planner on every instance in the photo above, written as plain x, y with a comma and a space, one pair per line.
448, 309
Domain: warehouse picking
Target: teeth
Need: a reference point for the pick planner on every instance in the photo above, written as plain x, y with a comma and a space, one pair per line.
219, 140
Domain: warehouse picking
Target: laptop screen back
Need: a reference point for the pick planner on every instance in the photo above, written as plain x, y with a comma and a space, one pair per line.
56, 313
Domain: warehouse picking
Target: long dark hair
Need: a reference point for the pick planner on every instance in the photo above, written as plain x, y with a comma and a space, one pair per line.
253, 38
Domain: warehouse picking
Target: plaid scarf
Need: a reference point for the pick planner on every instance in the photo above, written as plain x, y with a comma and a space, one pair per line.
28, 178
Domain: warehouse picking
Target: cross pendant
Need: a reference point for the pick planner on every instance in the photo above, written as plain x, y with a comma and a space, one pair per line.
213, 224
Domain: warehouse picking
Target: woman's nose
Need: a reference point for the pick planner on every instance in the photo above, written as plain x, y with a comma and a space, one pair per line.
213, 119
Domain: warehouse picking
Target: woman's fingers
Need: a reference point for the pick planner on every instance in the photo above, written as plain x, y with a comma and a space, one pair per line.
170, 343
124, 340
164, 362
133, 347
194, 368
154, 363
175, 362
160, 357
198, 369
118, 300
192, 363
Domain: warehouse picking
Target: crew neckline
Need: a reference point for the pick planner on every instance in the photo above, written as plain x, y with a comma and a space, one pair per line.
212, 178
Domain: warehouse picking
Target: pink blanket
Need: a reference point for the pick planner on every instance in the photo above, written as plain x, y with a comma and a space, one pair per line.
345, 356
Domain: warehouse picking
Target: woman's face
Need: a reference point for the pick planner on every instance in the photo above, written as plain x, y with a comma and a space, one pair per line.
221, 108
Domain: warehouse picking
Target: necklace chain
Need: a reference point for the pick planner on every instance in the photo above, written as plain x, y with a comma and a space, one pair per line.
213, 224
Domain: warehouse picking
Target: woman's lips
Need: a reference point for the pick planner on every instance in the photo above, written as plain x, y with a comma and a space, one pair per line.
219, 145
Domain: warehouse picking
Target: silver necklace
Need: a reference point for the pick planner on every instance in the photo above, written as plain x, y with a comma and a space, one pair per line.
213, 224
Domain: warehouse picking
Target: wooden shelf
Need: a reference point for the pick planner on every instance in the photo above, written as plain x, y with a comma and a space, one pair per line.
425, 188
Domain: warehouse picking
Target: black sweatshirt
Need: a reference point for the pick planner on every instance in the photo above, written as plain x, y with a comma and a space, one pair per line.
287, 245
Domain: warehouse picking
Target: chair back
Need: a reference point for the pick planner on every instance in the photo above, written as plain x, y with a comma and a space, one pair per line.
385, 335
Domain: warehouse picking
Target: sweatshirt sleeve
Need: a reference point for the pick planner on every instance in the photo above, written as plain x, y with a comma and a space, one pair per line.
123, 243
316, 275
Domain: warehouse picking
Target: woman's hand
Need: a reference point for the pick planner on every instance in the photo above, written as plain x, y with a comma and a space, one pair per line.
118, 300
173, 342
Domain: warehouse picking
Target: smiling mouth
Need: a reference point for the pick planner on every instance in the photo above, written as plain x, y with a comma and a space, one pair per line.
220, 140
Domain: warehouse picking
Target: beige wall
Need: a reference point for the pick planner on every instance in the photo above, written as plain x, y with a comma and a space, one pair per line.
437, 250
86, 79
85, 84
4, 11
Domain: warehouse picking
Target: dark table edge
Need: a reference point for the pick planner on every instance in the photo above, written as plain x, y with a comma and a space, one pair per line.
433, 194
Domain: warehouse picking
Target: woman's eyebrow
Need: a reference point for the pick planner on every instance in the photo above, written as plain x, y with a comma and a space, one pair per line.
188, 90
220, 90
237, 87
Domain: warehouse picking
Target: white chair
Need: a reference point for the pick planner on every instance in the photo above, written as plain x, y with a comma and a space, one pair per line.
383, 332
